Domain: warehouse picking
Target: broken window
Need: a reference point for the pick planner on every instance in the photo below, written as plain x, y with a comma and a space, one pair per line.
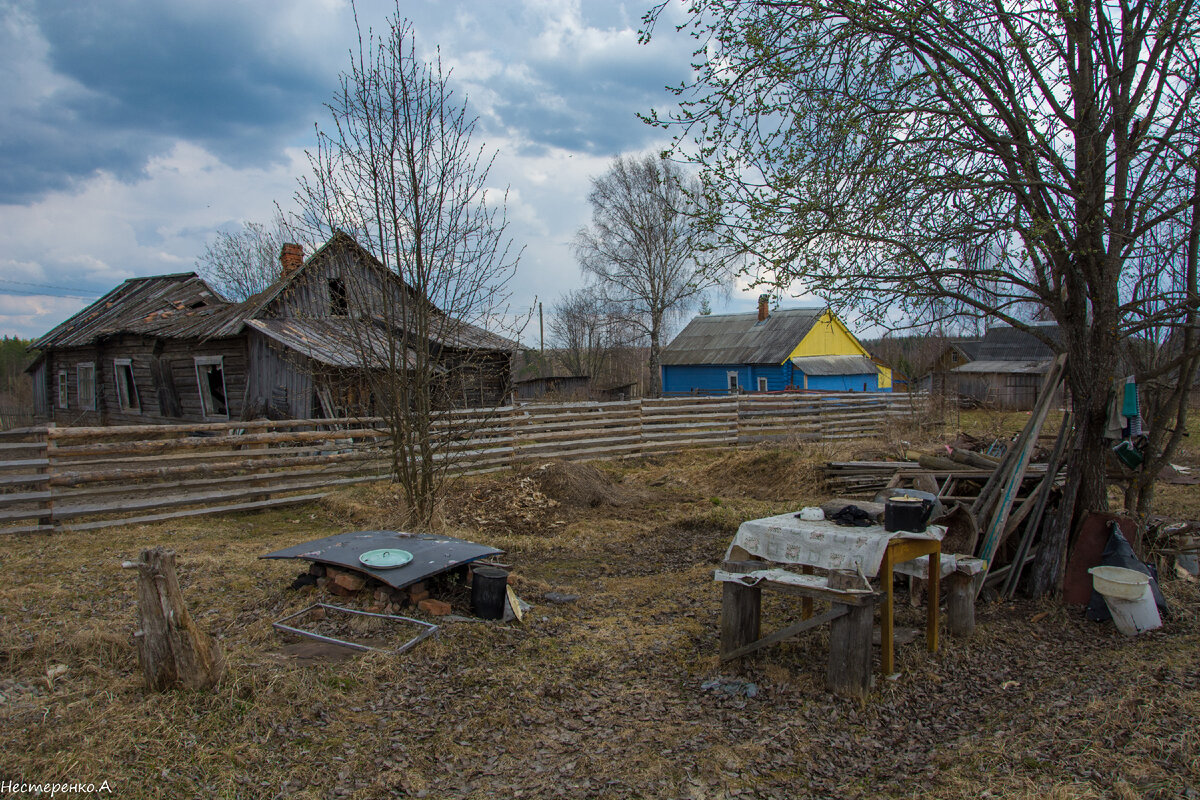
210, 376
338, 306
62, 388
85, 378
127, 394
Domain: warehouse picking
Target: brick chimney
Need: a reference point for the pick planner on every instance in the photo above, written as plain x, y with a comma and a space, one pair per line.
291, 258
764, 306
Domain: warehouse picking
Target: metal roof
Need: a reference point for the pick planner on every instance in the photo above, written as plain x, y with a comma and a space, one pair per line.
741, 338
432, 554
1005, 343
835, 365
1027, 366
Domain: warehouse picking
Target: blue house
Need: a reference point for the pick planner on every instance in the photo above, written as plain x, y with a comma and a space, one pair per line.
802, 348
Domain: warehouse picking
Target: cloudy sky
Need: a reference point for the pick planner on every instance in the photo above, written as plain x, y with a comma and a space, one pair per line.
132, 130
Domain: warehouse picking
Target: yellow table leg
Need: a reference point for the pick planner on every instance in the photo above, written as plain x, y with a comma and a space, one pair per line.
931, 614
887, 661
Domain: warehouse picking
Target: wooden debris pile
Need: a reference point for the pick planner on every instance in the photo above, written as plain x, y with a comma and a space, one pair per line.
995, 506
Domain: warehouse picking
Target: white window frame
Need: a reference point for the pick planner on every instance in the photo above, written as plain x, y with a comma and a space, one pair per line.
762, 385
86, 403
206, 399
64, 392
124, 401
734, 384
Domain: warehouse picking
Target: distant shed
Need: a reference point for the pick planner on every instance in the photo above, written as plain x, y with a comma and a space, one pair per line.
1008, 370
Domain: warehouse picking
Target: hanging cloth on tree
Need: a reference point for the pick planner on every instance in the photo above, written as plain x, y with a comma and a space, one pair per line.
1129, 406
1115, 426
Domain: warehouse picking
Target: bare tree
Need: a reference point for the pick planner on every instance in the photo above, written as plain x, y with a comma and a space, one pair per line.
962, 158
642, 247
241, 264
397, 171
585, 332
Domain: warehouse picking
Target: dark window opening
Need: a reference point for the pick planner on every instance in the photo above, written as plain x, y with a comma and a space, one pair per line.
210, 375
127, 394
338, 306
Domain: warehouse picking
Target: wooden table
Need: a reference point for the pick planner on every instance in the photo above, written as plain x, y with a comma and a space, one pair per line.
763, 544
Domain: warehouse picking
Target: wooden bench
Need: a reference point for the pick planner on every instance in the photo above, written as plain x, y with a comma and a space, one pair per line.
851, 618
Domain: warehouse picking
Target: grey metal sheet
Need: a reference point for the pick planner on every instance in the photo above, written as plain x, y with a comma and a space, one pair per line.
432, 554
835, 365
741, 338
1005, 343
1007, 367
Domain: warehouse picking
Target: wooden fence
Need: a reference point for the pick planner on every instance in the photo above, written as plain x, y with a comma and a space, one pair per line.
84, 478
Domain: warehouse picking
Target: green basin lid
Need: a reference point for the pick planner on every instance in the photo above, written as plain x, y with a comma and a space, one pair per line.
388, 558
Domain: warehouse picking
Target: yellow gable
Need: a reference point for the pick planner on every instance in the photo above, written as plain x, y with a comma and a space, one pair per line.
829, 337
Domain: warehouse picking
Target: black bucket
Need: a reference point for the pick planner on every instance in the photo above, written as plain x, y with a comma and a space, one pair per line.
489, 588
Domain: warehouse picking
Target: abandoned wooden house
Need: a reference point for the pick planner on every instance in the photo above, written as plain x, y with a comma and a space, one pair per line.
803, 348
169, 348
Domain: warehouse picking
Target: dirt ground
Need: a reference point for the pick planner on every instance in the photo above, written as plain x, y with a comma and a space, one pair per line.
615, 694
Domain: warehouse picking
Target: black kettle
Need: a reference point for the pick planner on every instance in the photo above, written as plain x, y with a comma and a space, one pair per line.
906, 513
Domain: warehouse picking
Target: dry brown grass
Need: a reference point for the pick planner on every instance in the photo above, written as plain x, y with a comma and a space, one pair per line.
597, 698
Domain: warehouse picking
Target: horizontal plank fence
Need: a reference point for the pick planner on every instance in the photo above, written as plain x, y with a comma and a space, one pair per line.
85, 478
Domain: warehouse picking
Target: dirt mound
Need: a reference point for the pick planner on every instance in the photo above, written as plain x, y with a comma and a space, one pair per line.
511, 504
578, 484
761, 474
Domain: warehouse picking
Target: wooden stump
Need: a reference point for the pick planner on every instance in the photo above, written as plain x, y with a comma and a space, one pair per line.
960, 599
173, 652
849, 671
740, 607
960, 605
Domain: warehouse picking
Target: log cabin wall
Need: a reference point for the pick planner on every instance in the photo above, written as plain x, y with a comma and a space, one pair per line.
365, 290
278, 377
165, 380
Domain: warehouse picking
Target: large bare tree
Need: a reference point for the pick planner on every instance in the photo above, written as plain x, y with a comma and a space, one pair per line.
396, 169
956, 157
643, 249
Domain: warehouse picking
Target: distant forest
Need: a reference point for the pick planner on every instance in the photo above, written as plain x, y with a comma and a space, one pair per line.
14, 358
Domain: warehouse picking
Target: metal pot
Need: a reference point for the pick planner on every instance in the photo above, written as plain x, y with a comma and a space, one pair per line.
906, 513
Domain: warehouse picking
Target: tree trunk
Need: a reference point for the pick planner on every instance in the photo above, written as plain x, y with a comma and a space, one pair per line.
1090, 363
655, 388
173, 652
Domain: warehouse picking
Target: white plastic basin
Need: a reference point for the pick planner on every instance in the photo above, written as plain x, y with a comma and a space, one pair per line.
1118, 582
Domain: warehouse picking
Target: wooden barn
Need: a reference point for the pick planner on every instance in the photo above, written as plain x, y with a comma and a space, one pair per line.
1007, 370
168, 348
804, 348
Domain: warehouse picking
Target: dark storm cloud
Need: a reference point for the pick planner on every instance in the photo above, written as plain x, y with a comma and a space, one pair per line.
130, 78
584, 92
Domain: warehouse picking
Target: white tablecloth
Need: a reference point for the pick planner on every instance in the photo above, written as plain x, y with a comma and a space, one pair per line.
785, 539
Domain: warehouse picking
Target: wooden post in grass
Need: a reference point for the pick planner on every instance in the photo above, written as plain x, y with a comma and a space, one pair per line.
849, 673
173, 652
740, 608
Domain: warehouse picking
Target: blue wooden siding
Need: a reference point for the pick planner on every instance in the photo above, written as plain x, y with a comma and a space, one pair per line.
844, 383
713, 379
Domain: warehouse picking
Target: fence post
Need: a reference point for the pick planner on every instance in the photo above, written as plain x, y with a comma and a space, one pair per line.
48, 447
